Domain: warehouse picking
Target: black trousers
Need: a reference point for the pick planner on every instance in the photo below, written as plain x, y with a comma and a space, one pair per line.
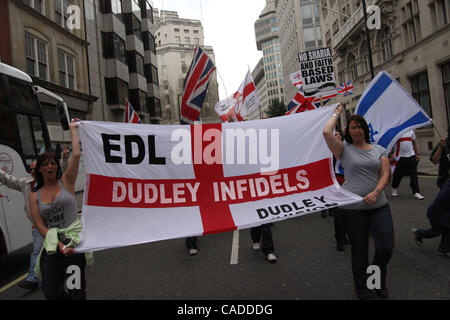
191, 243
439, 216
263, 235
339, 225
54, 276
406, 167
359, 224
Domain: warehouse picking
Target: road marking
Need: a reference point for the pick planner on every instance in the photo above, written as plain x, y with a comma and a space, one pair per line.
235, 248
13, 283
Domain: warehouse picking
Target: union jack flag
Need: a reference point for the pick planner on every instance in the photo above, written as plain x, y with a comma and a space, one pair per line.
300, 104
130, 115
325, 100
195, 86
346, 89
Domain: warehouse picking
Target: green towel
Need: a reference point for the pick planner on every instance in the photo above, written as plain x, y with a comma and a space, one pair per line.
50, 243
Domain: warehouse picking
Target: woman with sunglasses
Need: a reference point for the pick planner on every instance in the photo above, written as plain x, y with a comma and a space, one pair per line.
54, 212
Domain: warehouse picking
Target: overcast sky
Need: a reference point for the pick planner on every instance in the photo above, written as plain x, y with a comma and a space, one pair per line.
229, 28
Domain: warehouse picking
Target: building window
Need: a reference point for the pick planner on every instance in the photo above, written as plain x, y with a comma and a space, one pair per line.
183, 67
187, 41
133, 25
439, 12
154, 107
365, 59
146, 9
36, 56
309, 37
135, 62
307, 14
112, 6
116, 91
411, 24
151, 73
138, 99
446, 77
61, 15
37, 5
66, 64
386, 45
149, 41
113, 47
352, 67
421, 91
177, 40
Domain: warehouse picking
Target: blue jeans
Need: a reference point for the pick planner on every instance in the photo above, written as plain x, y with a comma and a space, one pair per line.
37, 245
359, 224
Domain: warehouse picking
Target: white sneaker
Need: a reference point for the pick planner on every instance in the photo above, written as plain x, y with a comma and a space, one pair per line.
418, 196
193, 252
395, 192
256, 246
271, 257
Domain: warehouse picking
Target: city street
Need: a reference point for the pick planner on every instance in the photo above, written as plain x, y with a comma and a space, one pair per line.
308, 267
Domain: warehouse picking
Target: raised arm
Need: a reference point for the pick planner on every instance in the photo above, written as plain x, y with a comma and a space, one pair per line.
70, 175
335, 145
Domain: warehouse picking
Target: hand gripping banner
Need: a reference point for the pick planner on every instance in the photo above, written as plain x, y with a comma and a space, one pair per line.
147, 183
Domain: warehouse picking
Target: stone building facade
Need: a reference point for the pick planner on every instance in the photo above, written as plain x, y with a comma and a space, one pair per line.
413, 45
122, 59
36, 38
176, 39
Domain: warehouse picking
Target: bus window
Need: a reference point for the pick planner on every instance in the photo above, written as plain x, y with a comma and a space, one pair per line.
26, 135
23, 96
7, 130
2, 96
38, 133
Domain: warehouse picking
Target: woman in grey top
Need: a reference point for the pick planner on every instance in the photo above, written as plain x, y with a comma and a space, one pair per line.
366, 174
54, 206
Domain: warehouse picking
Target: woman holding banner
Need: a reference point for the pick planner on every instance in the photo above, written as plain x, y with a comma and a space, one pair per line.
366, 174
54, 212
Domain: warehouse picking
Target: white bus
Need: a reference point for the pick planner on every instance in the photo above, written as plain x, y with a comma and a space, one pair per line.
24, 133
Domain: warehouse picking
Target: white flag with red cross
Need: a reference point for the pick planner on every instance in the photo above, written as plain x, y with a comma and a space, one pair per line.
150, 182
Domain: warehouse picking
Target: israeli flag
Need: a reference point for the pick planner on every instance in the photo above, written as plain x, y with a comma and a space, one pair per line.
389, 110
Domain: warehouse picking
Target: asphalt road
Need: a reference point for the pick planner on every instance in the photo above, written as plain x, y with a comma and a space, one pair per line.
308, 267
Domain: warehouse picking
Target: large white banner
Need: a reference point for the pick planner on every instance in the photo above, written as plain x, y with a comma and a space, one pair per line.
147, 183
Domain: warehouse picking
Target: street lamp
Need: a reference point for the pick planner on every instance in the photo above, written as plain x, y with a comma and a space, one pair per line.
369, 47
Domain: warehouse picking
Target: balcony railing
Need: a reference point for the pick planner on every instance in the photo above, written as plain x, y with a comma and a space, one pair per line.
348, 27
